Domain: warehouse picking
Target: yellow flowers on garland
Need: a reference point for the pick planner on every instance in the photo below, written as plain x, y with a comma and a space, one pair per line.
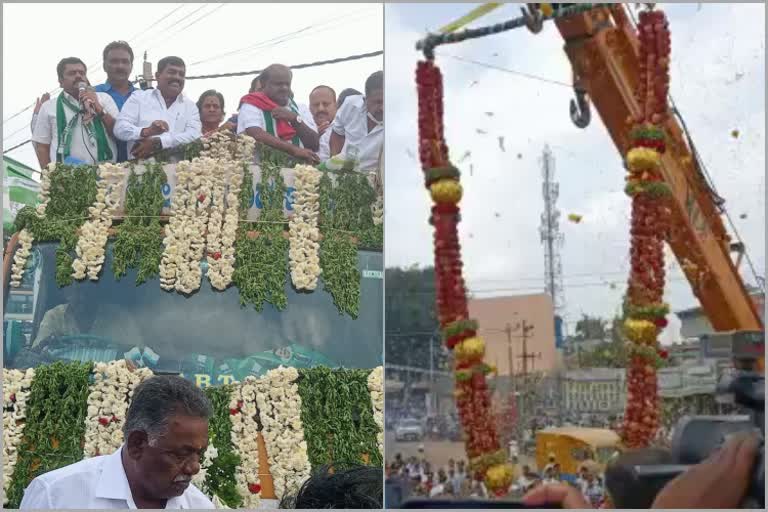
446, 191
640, 331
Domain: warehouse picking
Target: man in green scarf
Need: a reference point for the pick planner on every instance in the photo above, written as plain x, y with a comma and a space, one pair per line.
77, 126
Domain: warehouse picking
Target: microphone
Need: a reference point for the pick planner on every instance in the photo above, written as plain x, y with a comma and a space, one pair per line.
82, 87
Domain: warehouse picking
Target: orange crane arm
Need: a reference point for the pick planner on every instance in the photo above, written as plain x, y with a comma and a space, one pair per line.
603, 49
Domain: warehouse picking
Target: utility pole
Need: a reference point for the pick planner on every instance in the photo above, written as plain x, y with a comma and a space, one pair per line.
525, 356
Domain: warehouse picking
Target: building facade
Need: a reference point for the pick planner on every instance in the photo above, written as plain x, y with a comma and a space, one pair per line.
505, 351
600, 391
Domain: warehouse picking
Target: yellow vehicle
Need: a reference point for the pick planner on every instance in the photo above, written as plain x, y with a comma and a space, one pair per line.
571, 446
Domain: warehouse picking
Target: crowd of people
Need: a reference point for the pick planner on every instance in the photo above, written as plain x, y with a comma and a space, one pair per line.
117, 122
417, 477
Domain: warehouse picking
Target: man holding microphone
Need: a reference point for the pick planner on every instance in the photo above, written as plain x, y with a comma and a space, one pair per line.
76, 127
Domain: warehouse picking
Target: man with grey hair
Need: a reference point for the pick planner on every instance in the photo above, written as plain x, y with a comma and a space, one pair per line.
166, 434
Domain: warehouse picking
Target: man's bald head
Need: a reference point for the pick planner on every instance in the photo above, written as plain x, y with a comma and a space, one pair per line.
276, 83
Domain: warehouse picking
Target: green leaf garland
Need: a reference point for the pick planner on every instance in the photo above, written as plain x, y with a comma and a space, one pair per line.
55, 424
72, 192
139, 239
261, 268
220, 478
337, 415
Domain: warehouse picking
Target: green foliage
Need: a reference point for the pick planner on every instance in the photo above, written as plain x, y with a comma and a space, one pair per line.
411, 318
337, 415
345, 215
220, 478
72, 192
590, 328
261, 270
139, 240
55, 424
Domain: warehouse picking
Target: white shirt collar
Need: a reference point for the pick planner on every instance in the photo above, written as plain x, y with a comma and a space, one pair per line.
159, 95
113, 483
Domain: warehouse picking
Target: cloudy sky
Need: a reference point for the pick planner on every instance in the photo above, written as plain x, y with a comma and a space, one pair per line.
211, 38
718, 83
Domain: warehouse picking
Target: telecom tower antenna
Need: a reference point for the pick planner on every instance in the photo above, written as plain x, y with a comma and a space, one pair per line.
551, 237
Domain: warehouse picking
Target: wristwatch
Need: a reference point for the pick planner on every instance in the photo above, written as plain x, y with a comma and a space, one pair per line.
298, 120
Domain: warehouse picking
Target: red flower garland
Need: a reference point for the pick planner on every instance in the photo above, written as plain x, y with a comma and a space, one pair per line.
648, 232
487, 459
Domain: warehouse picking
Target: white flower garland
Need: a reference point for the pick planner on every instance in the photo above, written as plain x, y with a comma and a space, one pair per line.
91, 246
377, 209
25, 237
185, 234
245, 432
376, 389
304, 234
16, 388
20, 257
223, 221
280, 413
210, 454
108, 400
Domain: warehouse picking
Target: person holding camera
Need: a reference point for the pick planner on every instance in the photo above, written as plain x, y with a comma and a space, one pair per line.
701, 486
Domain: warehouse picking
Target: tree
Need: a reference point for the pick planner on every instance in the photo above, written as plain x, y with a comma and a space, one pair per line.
590, 328
410, 319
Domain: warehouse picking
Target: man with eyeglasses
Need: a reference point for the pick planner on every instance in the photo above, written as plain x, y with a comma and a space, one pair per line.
166, 434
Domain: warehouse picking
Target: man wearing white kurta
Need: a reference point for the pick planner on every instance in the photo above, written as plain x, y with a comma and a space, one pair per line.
272, 117
160, 118
358, 129
166, 433
66, 131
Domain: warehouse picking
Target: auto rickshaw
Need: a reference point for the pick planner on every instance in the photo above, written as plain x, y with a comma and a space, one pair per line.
571, 446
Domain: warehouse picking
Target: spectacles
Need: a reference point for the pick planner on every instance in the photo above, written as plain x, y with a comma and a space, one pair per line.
182, 458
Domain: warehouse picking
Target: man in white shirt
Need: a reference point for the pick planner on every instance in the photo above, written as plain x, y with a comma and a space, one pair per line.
322, 104
166, 434
272, 117
358, 129
75, 128
160, 118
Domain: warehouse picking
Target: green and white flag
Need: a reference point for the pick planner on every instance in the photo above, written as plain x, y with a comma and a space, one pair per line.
19, 190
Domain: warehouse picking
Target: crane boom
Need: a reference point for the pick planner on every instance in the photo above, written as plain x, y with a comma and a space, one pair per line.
603, 49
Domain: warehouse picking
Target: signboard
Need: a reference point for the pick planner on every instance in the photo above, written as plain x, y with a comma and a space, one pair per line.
256, 204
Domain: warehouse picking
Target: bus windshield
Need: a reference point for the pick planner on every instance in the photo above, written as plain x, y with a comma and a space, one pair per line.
207, 337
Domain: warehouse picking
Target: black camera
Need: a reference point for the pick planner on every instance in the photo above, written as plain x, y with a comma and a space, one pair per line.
696, 437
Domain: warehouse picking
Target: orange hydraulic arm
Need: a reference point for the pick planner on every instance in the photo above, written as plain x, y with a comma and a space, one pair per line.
603, 49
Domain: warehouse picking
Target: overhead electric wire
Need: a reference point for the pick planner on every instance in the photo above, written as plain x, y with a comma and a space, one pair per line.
52, 91
506, 70
197, 20
297, 66
278, 38
517, 288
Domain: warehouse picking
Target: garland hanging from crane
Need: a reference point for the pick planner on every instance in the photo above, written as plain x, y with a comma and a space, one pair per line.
645, 310
487, 460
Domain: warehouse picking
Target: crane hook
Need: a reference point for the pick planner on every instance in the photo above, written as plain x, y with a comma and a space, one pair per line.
533, 18
580, 111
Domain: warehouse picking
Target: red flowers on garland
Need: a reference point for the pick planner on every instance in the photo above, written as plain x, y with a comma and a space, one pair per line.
649, 194
487, 458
